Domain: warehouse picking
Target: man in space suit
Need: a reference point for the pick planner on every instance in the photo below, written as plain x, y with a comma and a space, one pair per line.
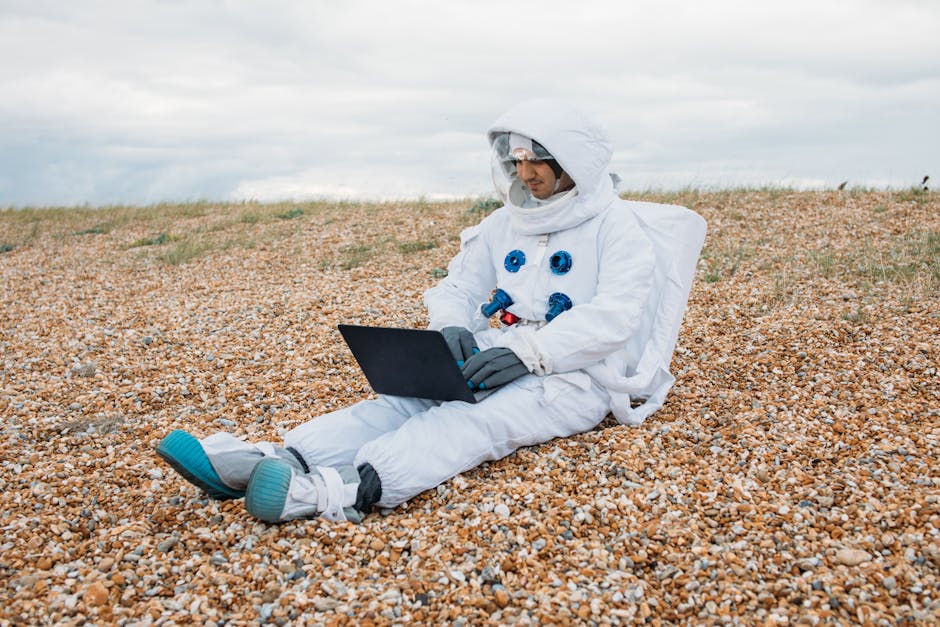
589, 290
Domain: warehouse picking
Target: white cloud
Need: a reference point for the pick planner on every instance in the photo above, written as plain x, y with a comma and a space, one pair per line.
138, 102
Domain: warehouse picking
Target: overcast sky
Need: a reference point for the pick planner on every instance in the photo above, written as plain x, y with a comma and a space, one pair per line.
140, 102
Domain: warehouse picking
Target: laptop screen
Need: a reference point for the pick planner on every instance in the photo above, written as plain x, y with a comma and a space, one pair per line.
407, 362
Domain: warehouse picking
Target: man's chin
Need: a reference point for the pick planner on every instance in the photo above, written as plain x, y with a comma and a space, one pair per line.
539, 193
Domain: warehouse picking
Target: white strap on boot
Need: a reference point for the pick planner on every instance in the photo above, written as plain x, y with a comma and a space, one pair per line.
306, 496
335, 494
324, 494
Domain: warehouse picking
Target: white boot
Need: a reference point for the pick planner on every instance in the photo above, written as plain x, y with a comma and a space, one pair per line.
277, 492
219, 464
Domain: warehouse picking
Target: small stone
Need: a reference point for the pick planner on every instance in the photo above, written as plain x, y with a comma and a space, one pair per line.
392, 595
501, 510
806, 564
106, 564
325, 604
95, 595
633, 594
167, 545
488, 575
271, 593
44, 563
266, 611
501, 597
218, 559
852, 557
26, 580
87, 369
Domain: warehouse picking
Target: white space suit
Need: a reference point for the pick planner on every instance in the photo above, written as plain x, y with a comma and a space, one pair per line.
626, 269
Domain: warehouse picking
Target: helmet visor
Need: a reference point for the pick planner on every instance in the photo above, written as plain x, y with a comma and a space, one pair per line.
512, 147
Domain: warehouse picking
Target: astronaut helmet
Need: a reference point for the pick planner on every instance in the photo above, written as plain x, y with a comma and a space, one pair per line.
510, 148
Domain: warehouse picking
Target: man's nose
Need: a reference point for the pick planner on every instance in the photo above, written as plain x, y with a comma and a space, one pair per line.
524, 170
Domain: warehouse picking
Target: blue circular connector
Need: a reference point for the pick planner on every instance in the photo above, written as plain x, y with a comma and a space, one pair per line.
515, 259
557, 303
560, 262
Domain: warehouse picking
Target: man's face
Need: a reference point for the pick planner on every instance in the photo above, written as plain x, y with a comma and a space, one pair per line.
537, 176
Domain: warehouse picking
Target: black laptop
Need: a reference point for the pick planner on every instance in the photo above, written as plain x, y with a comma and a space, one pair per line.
407, 362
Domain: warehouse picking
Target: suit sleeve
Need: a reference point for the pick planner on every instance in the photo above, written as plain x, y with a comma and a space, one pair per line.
470, 280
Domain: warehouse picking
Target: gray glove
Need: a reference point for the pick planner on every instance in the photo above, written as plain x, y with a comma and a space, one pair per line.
493, 368
461, 343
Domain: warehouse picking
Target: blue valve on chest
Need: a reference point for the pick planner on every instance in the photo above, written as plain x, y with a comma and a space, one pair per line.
557, 303
500, 300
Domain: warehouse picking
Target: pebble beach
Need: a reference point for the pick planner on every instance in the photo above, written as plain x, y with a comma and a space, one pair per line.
792, 477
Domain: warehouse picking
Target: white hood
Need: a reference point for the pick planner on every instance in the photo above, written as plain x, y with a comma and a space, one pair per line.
582, 149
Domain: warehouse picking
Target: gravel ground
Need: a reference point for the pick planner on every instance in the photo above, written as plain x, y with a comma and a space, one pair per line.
791, 478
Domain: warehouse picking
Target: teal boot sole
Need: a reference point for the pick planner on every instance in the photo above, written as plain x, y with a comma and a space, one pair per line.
184, 453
